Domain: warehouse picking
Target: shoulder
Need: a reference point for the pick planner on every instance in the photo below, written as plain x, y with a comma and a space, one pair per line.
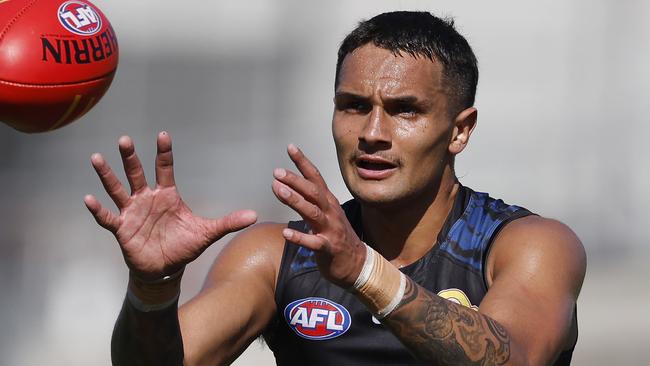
538, 244
237, 301
534, 272
256, 250
265, 236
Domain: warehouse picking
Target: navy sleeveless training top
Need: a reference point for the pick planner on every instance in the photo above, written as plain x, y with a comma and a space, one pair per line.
319, 323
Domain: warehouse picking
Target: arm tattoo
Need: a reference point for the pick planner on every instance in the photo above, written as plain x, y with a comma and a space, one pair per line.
440, 332
152, 338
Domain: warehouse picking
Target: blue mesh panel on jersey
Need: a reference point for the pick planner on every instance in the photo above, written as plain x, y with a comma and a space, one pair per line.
471, 234
466, 241
304, 260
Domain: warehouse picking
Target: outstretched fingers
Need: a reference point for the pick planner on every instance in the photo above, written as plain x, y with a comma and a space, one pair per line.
232, 222
310, 212
104, 217
308, 194
111, 184
305, 166
132, 165
307, 189
164, 161
310, 241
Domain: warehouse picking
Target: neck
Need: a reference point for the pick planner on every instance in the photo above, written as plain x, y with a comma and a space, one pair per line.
405, 232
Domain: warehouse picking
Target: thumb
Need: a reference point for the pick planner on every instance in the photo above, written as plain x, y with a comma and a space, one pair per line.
234, 221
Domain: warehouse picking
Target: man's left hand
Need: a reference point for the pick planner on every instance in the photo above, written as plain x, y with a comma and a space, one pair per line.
339, 251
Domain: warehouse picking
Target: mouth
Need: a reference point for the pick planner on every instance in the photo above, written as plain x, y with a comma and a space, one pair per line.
371, 165
374, 168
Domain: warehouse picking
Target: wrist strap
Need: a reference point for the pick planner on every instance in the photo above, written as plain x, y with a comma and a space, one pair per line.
380, 285
138, 304
161, 280
399, 295
368, 265
146, 291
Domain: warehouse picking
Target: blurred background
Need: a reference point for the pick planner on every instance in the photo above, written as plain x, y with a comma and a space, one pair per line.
562, 130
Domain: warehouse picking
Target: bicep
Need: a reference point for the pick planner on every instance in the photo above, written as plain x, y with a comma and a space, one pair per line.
237, 300
535, 271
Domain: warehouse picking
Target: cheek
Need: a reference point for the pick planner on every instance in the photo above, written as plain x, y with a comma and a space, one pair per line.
338, 138
422, 140
403, 131
343, 135
422, 129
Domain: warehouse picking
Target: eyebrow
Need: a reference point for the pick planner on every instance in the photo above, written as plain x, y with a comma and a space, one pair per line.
406, 99
344, 96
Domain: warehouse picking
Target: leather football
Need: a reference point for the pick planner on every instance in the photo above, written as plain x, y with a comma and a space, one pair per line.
57, 59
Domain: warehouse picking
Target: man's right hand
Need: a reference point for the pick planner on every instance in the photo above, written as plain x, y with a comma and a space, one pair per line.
157, 232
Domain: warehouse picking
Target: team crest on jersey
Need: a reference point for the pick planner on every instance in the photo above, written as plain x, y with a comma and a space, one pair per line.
79, 18
316, 318
457, 296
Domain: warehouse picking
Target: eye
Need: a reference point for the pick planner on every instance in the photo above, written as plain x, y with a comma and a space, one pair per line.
405, 110
357, 107
361, 107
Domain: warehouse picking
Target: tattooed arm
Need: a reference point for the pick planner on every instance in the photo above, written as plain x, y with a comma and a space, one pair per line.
535, 271
442, 332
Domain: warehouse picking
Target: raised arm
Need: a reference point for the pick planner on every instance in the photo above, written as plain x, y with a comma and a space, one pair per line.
535, 271
234, 306
158, 235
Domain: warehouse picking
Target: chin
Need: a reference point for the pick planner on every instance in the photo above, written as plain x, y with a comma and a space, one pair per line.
386, 194
377, 196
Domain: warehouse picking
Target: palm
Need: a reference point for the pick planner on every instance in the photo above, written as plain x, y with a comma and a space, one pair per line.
157, 232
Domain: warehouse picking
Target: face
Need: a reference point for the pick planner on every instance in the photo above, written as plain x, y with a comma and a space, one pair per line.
391, 127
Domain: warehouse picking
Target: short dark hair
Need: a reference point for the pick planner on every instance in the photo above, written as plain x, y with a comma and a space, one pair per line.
421, 34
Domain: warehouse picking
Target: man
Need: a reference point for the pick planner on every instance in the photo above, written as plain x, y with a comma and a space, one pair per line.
416, 269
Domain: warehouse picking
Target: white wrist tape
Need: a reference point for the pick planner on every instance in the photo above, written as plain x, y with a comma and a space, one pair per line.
380, 284
382, 313
368, 265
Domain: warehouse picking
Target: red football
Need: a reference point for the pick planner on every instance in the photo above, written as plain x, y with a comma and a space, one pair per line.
57, 59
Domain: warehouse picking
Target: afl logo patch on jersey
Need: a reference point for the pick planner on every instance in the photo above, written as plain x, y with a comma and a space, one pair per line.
79, 18
316, 318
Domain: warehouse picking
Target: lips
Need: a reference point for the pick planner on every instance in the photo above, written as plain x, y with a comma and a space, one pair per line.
374, 167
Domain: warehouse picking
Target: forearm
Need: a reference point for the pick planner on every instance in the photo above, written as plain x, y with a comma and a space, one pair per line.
441, 332
435, 330
147, 331
147, 338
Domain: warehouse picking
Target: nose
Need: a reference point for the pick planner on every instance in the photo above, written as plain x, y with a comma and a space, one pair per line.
376, 131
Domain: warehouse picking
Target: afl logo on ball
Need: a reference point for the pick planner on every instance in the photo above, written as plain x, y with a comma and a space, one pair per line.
317, 318
79, 18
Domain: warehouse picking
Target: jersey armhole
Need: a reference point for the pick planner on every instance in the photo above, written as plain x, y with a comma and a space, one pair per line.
488, 249
282, 273
269, 334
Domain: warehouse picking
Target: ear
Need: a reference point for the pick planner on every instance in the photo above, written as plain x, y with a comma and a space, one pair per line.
464, 124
